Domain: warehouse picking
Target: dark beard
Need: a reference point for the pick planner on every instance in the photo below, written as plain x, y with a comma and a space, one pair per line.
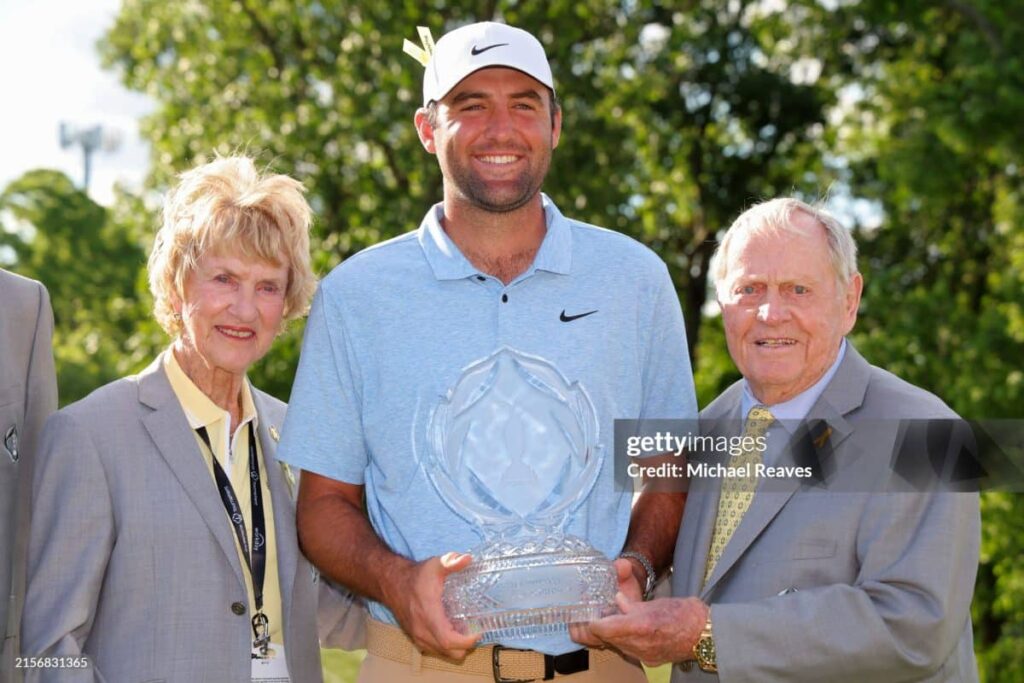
474, 190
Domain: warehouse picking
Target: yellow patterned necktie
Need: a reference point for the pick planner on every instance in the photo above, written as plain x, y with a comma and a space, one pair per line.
738, 492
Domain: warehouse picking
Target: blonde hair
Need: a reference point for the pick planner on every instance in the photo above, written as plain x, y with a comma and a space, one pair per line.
774, 216
227, 205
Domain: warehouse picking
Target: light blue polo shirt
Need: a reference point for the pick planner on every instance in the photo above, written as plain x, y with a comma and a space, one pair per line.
392, 328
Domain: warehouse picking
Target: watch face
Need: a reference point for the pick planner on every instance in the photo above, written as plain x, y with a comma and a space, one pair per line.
705, 651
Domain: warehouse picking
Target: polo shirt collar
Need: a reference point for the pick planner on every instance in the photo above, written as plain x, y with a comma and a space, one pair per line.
199, 409
448, 263
555, 253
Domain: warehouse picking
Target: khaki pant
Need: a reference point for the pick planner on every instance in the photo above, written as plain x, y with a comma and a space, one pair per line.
379, 667
379, 670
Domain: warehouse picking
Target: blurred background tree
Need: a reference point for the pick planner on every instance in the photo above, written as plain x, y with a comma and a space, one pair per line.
931, 133
677, 115
703, 120
53, 232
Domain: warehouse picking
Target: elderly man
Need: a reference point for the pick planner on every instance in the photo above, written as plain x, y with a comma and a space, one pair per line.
28, 394
795, 580
493, 266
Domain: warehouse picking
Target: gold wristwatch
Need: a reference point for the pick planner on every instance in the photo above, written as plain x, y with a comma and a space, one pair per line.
704, 650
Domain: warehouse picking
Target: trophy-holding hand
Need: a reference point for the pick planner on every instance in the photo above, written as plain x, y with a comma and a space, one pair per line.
629, 588
655, 632
416, 603
630, 583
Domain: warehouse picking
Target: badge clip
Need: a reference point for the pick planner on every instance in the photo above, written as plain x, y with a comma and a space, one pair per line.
260, 635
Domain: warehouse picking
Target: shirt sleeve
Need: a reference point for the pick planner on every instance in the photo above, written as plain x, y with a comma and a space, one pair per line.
323, 430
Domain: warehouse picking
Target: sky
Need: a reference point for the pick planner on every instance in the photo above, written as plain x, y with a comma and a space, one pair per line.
51, 73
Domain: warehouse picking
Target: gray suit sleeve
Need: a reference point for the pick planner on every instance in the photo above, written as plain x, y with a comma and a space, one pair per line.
900, 619
40, 401
41, 388
71, 537
340, 617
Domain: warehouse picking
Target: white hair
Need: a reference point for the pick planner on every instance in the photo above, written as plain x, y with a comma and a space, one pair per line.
229, 204
775, 215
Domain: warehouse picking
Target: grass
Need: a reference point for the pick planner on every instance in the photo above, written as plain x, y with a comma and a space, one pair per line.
341, 666
659, 674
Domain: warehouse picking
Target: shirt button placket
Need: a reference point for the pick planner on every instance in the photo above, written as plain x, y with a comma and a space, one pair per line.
503, 316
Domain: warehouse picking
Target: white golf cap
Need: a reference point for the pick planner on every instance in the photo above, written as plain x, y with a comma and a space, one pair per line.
470, 48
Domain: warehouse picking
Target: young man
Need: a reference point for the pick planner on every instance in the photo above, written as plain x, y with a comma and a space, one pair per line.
494, 265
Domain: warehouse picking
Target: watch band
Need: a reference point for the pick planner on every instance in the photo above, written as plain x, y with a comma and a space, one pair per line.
704, 650
648, 586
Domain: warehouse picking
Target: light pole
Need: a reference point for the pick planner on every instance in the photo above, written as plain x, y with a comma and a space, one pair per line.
90, 140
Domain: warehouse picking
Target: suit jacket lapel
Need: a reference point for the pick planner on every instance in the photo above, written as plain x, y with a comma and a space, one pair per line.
170, 431
704, 492
702, 504
844, 393
763, 508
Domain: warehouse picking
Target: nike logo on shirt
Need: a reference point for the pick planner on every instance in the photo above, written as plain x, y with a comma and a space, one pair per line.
569, 318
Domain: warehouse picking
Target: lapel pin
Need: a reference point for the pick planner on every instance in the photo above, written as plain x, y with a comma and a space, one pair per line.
289, 478
274, 434
11, 443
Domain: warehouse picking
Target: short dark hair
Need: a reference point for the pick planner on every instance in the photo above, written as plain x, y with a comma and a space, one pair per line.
431, 109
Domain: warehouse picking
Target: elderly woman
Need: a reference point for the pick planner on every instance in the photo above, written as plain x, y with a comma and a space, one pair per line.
163, 542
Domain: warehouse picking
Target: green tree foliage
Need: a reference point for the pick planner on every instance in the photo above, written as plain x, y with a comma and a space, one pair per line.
700, 104
56, 234
933, 141
933, 135
708, 117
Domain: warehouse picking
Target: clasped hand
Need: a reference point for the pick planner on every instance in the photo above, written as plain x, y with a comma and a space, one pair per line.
655, 632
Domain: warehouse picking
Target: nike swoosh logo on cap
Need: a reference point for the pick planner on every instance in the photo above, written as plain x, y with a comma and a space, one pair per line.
479, 50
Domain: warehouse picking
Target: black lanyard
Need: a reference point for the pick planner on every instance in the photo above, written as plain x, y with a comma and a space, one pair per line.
256, 559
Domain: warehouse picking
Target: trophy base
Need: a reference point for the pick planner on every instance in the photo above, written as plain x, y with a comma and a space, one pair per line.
530, 591
521, 624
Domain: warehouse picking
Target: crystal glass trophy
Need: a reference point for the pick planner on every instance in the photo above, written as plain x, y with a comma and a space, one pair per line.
514, 451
